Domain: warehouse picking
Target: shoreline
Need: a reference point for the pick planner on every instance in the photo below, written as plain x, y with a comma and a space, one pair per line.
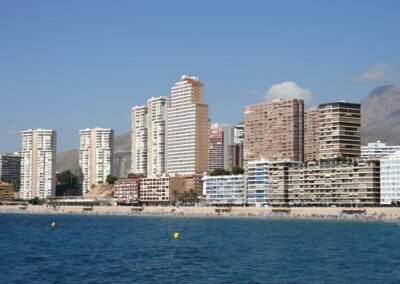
375, 214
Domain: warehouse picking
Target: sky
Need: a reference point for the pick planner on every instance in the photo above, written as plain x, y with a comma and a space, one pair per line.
69, 65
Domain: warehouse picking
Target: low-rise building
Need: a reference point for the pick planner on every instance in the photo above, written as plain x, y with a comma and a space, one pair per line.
349, 183
127, 191
390, 179
161, 190
6, 191
377, 150
225, 190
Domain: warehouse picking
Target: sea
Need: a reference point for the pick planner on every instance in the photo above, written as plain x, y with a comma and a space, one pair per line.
137, 249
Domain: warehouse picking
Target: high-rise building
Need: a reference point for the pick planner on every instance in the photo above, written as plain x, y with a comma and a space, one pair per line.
38, 160
187, 128
95, 156
390, 178
156, 135
377, 150
235, 156
10, 167
274, 131
238, 133
311, 134
216, 159
139, 140
339, 130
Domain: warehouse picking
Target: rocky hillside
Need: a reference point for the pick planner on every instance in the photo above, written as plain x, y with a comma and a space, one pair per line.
380, 113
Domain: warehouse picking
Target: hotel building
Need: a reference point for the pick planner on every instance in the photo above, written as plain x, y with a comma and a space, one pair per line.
96, 150
38, 157
339, 130
161, 190
187, 128
390, 179
335, 184
225, 190
311, 134
377, 150
274, 131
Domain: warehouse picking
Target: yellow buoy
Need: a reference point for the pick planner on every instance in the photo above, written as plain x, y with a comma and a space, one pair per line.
53, 225
176, 235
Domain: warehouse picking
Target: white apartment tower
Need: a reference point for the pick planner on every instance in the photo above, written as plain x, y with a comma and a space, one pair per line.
38, 157
95, 156
187, 128
139, 140
156, 135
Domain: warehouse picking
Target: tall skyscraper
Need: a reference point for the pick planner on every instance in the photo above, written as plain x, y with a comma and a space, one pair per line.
38, 157
95, 156
274, 131
187, 128
238, 133
216, 159
339, 130
156, 135
139, 140
311, 134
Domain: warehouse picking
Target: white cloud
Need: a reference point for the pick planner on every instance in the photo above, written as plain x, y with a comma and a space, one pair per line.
289, 90
377, 72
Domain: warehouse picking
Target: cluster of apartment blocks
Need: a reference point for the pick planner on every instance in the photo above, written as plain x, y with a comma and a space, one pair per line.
308, 158
172, 138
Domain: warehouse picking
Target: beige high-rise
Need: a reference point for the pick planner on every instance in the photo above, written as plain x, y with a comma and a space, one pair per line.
38, 160
187, 128
274, 131
95, 156
339, 130
311, 134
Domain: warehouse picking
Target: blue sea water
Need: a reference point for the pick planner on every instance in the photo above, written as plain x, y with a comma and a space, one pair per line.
128, 249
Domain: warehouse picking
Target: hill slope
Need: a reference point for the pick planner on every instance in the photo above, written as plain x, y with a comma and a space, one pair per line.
380, 113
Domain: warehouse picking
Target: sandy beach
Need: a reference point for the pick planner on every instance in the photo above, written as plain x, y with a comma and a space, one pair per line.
339, 213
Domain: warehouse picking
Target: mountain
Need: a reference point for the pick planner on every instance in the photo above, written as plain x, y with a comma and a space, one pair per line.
380, 115
69, 160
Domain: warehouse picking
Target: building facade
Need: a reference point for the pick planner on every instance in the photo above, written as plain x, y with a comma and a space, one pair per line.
161, 190
311, 134
351, 183
96, 159
257, 183
238, 133
339, 130
216, 159
187, 128
156, 135
377, 150
10, 167
235, 156
390, 179
225, 190
139, 140
127, 191
38, 160
274, 131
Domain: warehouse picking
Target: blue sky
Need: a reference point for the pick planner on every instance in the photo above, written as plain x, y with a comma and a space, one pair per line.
69, 65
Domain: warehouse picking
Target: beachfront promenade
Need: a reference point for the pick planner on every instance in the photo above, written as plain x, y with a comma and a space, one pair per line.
362, 213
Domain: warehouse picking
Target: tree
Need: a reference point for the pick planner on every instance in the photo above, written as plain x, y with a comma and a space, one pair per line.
111, 179
220, 172
237, 171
